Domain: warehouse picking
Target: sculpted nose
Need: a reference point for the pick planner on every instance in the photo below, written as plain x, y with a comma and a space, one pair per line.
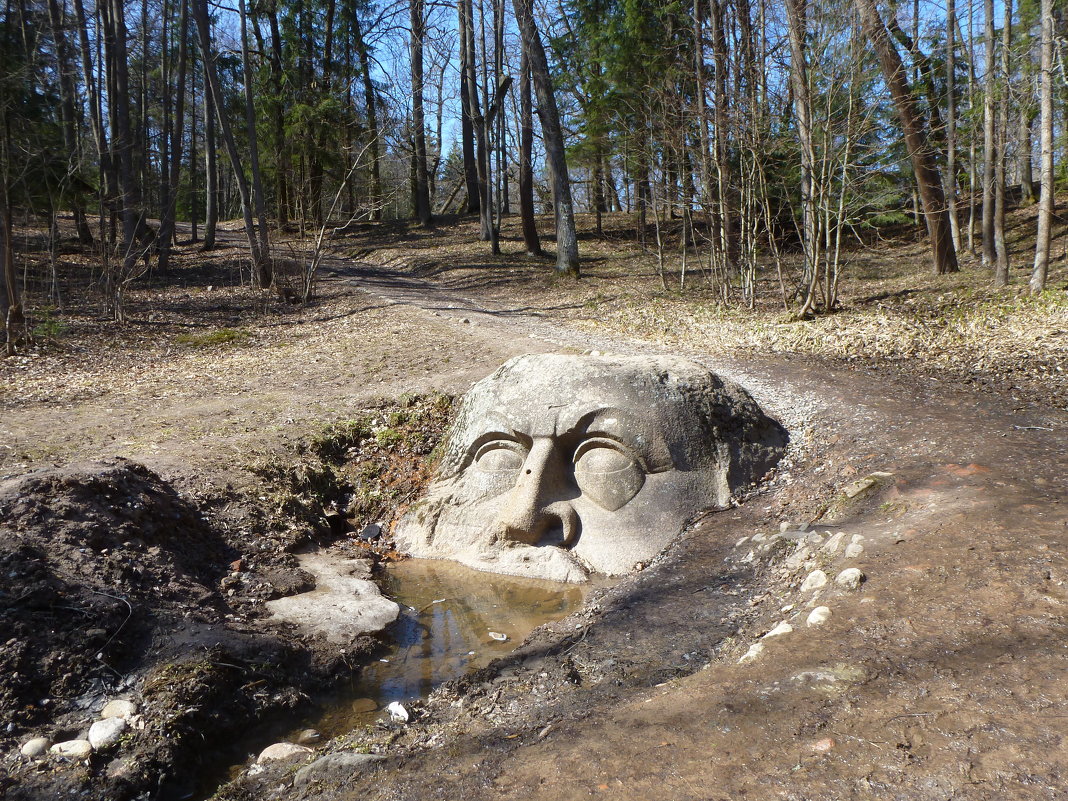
537, 511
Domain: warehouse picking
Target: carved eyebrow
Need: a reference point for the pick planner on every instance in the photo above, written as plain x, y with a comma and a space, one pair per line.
629, 430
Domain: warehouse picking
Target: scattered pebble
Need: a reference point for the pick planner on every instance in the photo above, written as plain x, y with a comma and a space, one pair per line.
834, 543
119, 708
782, 628
106, 732
849, 579
787, 608
754, 652
397, 712
823, 746
280, 751
853, 550
784, 526
35, 747
815, 580
496, 635
818, 616
73, 749
856, 539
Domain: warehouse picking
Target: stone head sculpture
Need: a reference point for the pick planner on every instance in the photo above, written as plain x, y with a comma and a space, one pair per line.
557, 466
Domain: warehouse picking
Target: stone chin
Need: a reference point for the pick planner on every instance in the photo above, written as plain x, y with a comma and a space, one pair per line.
558, 466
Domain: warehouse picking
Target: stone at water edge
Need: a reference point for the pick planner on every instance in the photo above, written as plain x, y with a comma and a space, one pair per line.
72, 749
815, 580
35, 747
853, 550
280, 751
106, 732
850, 578
818, 616
119, 708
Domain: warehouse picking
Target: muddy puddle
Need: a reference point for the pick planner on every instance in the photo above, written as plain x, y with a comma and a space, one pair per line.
452, 621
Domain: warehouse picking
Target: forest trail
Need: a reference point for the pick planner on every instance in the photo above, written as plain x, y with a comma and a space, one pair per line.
943, 674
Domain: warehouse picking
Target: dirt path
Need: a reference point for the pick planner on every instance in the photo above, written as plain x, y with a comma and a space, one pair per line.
942, 676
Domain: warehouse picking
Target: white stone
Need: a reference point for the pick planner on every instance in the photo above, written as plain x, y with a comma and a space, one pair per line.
35, 747
73, 749
106, 732
815, 580
856, 539
754, 652
119, 708
850, 578
340, 608
280, 751
784, 526
834, 543
782, 628
818, 616
853, 550
397, 712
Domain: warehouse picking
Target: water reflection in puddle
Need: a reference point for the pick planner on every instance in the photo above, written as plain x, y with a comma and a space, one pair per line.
448, 613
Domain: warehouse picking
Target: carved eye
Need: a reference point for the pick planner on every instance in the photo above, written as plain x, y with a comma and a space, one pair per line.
500, 456
607, 474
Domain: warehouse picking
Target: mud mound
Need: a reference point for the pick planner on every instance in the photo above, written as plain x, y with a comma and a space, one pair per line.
91, 555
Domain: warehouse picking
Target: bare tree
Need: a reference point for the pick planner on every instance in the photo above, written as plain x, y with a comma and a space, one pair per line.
1045, 201
917, 139
567, 255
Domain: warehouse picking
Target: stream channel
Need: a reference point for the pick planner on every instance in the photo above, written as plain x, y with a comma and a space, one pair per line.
448, 612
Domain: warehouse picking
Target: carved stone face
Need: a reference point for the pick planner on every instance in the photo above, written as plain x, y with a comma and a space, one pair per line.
557, 466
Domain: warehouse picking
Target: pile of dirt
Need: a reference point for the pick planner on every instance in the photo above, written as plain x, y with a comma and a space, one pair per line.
115, 586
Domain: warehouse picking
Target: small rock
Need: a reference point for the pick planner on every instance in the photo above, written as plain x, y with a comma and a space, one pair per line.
106, 732
856, 539
857, 487
372, 531
754, 652
823, 746
798, 557
782, 628
850, 578
784, 526
237, 565
308, 737
787, 608
818, 616
72, 749
363, 705
35, 747
334, 768
496, 635
853, 550
815, 580
280, 751
119, 708
397, 712
834, 543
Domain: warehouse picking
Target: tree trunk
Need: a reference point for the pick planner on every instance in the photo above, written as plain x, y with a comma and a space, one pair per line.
989, 154
421, 201
1001, 250
951, 123
264, 268
1045, 201
1025, 153
65, 68
211, 164
567, 255
374, 145
200, 12
467, 134
929, 182
795, 13
526, 167
169, 187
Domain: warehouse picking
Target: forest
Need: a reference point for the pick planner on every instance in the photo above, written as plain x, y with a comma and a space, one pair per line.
745, 137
